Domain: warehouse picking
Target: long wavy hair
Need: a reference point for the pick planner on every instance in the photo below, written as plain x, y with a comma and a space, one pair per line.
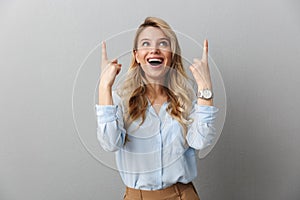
177, 85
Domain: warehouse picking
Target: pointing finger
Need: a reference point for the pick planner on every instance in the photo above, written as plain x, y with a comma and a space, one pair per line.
205, 50
104, 54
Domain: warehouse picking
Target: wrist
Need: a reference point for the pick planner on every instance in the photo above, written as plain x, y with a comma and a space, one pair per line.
204, 102
202, 87
104, 86
105, 95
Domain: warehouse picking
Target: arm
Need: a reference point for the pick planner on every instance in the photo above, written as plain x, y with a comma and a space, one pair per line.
110, 131
202, 131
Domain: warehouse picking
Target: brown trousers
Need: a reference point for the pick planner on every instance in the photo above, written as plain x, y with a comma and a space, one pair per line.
178, 191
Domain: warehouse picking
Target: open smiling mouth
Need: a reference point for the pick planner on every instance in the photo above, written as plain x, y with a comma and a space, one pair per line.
155, 61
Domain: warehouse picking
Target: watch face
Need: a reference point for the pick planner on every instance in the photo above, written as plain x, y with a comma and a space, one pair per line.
207, 94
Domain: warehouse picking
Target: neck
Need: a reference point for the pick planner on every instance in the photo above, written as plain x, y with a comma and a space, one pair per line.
155, 90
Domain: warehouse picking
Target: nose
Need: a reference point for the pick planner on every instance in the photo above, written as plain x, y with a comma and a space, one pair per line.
155, 50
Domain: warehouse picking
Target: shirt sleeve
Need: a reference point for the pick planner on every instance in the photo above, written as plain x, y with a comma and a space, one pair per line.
201, 132
110, 125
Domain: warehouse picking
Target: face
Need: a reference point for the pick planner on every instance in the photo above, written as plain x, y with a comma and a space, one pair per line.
153, 54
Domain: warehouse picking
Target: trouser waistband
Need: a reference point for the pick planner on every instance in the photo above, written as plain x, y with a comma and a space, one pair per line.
158, 194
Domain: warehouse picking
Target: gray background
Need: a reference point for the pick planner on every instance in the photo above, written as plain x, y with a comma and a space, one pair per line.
255, 44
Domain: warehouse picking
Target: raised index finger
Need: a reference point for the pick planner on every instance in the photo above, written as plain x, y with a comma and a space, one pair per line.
205, 50
104, 54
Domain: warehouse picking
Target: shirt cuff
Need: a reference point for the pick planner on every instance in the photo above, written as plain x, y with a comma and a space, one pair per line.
106, 113
206, 114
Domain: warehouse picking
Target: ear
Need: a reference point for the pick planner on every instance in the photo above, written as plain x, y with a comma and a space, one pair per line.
135, 53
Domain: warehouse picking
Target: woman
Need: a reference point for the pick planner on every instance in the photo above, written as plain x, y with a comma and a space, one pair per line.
153, 122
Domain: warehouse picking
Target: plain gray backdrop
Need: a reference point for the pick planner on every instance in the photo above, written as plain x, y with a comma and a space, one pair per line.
255, 44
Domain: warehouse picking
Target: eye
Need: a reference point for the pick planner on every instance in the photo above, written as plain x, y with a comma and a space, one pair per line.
145, 44
164, 43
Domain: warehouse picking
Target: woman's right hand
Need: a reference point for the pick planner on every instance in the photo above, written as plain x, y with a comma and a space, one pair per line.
109, 69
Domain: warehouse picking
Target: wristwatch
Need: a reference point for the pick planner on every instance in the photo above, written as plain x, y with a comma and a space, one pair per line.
206, 94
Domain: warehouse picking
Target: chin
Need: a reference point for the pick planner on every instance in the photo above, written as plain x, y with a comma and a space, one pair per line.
157, 74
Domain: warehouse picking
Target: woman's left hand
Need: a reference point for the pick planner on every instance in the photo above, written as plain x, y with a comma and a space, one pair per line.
200, 70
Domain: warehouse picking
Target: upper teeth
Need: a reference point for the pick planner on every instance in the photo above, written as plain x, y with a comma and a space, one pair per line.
155, 60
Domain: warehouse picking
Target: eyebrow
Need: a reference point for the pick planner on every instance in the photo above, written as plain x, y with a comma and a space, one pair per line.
158, 39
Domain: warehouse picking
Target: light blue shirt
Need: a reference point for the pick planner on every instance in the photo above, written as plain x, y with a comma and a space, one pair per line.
156, 155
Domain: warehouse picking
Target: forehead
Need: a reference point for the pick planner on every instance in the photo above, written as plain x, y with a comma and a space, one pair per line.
152, 33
